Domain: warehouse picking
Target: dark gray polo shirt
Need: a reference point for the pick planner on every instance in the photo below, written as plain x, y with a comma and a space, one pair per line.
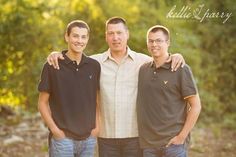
72, 92
161, 108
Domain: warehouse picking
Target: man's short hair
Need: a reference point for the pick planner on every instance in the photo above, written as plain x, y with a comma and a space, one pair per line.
116, 20
156, 28
76, 23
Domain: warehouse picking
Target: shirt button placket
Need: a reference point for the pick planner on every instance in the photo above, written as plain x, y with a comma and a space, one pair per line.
154, 75
117, 99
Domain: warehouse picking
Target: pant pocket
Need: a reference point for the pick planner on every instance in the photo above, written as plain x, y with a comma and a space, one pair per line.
176, 151
61, 147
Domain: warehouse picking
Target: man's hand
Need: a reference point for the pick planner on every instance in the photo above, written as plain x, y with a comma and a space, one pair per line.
58, 134
176, 140
177, 60
95, 132
52, 59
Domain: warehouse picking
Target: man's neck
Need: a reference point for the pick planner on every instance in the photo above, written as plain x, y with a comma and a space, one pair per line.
74, 56
159, 61
118, 55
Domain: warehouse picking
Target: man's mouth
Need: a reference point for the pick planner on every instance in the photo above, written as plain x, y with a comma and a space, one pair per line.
155, 49
78, 45
116, 44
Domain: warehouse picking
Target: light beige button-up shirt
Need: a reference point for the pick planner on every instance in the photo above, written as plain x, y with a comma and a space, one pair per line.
118, 90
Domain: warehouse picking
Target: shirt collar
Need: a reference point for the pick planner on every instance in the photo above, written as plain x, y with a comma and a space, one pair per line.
107, 54
84, 58
165, 65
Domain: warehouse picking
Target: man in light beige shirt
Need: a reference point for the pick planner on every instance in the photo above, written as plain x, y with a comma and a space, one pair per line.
118, 135
118, 90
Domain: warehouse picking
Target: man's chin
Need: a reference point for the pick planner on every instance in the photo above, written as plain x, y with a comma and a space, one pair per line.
77, 51
116, 49
155, 55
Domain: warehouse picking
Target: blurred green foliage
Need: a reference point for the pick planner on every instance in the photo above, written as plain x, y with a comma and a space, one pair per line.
31, 29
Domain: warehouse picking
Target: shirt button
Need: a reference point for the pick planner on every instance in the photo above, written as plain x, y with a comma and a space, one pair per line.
77, 69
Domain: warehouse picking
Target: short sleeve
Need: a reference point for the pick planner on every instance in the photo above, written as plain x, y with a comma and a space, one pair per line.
188, 84
44, 83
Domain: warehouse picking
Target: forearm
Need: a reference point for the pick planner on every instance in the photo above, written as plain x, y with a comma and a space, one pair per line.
98, 109
96, 129
97, 118
45, 112
46, 116
192, 116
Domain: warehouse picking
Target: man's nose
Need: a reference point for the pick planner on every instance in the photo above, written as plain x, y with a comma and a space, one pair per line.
154, 43
115, 36
79, 39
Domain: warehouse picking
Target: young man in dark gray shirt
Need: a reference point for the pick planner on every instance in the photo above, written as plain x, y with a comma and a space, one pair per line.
164, 116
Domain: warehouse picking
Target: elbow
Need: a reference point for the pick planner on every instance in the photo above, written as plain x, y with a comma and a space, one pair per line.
199, 105
198, 108
39, 106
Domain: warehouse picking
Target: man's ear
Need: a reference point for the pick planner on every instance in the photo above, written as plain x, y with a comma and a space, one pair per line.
127, 34
168, 42
106, 36
66, 37
87, 38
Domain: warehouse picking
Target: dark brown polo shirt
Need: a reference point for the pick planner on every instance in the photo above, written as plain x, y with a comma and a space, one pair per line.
72, 92
161, 107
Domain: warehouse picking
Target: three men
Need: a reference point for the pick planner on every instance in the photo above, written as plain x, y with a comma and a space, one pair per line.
118, 135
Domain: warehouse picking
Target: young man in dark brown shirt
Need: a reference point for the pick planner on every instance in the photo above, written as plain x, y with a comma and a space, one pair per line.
68, 97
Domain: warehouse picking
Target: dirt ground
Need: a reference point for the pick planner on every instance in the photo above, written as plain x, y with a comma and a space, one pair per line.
27, 137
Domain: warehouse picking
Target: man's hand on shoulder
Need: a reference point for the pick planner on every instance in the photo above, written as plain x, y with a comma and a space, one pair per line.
177, 61
53, 57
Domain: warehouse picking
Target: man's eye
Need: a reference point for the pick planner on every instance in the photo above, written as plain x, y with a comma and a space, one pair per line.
75, 36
